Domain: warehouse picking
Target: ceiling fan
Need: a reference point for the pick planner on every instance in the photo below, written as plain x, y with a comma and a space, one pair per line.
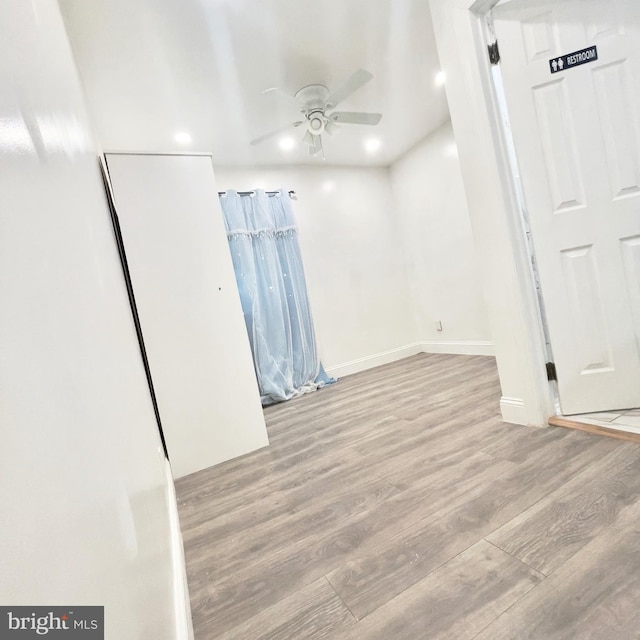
317, 106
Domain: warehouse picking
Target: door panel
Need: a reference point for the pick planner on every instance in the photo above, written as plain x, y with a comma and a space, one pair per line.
577, 140
631, 257
189, 308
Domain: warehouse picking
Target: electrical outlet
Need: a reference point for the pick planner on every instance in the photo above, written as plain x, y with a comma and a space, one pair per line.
438, 325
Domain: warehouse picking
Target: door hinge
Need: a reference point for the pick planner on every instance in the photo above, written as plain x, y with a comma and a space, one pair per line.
551, 371
494, 53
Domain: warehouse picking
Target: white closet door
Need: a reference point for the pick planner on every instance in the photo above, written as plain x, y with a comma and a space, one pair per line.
189, 308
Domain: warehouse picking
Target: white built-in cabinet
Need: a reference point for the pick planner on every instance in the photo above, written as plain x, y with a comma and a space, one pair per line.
189, 308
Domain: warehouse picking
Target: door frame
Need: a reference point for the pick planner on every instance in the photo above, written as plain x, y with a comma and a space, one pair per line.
516, 323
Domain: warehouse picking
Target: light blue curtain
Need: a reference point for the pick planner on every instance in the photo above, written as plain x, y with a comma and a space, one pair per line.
266, 258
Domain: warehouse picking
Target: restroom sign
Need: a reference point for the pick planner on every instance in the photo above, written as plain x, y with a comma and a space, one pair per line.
562, 63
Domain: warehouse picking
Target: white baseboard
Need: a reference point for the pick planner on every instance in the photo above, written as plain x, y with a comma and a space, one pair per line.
470, 348
513, 410
461, 347
375, 360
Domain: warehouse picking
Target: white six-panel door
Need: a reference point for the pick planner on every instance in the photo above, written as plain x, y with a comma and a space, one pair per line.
577, 136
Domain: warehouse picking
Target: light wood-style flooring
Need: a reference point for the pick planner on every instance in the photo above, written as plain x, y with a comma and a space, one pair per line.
395, 505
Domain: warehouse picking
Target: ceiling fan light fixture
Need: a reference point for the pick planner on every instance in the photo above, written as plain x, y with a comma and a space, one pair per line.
316, 124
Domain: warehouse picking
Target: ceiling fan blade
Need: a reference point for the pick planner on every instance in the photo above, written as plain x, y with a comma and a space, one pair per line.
355, 117
271, 134
358, 79
316, 147
330, 127
308, 138
281, 93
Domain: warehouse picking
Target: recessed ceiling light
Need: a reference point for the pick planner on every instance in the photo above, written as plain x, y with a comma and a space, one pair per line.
286, 144
328, 186
440, 78
182, 137
372, 145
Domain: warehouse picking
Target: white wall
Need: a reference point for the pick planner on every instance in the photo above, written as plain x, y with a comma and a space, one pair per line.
509, 293
84, 488
353, 258
438, 246
386, 254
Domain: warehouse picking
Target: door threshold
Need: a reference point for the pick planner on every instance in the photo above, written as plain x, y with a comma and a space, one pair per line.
621, 432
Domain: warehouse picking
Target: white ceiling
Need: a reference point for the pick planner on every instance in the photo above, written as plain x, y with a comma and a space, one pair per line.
153, 68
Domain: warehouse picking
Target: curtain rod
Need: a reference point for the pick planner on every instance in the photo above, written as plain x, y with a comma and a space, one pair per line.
292, 193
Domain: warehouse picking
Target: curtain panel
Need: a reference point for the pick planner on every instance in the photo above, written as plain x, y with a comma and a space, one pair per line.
268, 267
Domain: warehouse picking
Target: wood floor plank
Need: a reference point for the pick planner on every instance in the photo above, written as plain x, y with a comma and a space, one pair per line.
366, 581
440, 426
519, 443
312, 613
288, 523
281, 467
549, 533
455, 602
268, 578
437, 442
593, 596
387, 483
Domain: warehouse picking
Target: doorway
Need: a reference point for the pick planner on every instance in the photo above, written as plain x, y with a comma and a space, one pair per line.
576, 131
